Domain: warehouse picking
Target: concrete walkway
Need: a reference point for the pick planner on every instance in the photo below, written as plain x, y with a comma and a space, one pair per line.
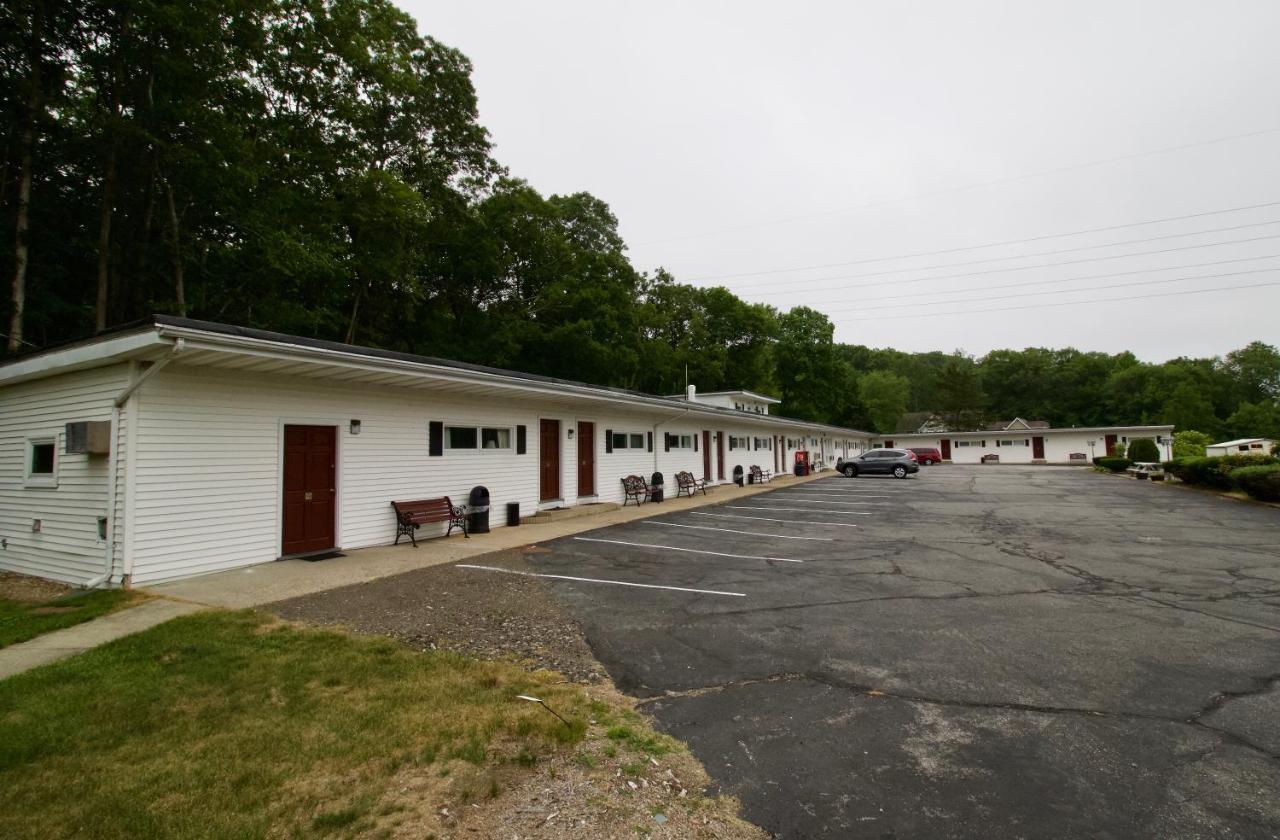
63, 643
269, 582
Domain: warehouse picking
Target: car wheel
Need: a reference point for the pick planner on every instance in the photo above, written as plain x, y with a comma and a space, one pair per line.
928, 463
850, 472
899, 471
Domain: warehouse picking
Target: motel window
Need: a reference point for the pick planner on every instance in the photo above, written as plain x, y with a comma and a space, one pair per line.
763, 443
42, 462
679, 441
1011, 443
739, 442
627, 440
471, 437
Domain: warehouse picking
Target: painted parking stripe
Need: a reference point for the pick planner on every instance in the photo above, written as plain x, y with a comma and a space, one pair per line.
732, 531
599, 580
767, 519
844, 495
829, 502
687, 550
802, 510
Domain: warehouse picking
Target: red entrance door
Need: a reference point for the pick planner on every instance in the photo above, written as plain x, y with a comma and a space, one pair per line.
946, 449
706, 455
586, 459
1111, 444
549, 460
720, 456
1037, 448
310, 489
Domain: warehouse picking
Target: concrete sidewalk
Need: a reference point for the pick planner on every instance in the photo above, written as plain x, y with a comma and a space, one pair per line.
63, 643
269, 582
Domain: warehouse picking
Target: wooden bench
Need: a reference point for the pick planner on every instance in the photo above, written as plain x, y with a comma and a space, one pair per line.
991, 459
759, 476
688, 485
635, 487
409, 515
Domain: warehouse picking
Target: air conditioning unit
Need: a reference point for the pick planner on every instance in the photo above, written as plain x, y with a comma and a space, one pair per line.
89, 437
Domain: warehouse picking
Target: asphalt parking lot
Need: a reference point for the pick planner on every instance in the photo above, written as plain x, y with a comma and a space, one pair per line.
971, 652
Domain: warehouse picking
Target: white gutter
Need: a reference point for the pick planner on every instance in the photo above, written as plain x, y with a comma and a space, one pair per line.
113, 469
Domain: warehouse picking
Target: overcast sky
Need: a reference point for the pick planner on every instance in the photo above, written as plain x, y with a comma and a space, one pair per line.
785, 150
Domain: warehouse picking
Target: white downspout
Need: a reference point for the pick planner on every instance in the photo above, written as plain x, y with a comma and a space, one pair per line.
113, 466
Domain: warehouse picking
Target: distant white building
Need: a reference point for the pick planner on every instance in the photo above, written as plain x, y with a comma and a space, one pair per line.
1031, 442
1243, 446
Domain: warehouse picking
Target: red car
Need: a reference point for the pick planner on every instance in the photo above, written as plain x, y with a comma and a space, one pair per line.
926, 455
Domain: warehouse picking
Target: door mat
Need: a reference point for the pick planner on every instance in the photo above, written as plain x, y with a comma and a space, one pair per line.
324, 555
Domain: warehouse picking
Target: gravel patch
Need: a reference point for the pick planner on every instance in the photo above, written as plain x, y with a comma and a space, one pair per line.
488, 616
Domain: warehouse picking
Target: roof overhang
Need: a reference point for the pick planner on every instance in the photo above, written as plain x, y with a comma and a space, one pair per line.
1033, 432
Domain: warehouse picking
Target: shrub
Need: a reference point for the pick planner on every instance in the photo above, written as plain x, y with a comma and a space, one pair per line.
1261, 482
1118, 449
1214, 472
1113, 464
1190, 444
1144, 449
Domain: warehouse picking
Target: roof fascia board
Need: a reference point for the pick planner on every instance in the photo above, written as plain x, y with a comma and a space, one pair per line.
1023, 432
83, 356
214, 342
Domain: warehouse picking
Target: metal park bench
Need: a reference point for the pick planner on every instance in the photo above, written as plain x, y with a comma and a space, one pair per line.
636, 488
688, 485
759, 476
409, 515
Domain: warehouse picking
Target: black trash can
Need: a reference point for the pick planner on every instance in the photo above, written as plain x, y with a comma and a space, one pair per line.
737, 475
655, 487
513, 513
478, 511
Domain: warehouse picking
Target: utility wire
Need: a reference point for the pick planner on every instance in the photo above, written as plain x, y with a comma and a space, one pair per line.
1062, 303
1102, 288
843, 287
965, 187
793, 269
1075, 249
1072, 279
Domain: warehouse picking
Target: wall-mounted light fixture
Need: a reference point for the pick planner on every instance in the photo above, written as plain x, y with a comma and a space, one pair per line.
37, 526
571, 434
354, 427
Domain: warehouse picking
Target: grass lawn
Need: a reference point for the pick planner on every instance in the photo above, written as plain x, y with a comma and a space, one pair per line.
23, 620
229, 724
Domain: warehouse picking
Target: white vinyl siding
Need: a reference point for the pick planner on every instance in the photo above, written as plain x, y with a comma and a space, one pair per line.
67, 548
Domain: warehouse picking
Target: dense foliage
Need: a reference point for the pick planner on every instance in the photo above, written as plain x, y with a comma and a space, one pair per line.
1112, 463
1217, 472
317, 167
1143, 450
1261, 482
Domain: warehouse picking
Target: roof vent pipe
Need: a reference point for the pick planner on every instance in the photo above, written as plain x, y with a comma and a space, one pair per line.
691, 392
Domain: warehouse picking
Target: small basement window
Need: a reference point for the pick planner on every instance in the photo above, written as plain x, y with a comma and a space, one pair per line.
42, 462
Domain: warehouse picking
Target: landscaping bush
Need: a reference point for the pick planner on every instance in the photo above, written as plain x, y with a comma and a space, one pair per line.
1190, 443
1144, 449
1214, 472
1113, 464
1261, 482
1118, 449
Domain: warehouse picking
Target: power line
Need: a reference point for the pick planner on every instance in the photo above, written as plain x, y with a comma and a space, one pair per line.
1063, 303
1076, 249
1023, 267
1073, 279
964, 187
793, 269
1101, 288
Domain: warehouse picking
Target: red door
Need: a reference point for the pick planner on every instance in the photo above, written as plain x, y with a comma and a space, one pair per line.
1111, 445
586, 459
549, 460
888, 444
720, 455
1037, 448
310, 489
706, 455
946, 449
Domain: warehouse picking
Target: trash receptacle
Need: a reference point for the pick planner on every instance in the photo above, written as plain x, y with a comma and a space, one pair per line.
737, 475
655, 487
478, 511
513, 513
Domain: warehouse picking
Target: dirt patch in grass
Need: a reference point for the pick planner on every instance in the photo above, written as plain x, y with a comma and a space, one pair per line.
490, 616
28, 589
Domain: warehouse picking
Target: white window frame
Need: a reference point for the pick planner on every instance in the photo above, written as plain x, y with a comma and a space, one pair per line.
30, 479
736, 442
479, 430
679, 441
628, 439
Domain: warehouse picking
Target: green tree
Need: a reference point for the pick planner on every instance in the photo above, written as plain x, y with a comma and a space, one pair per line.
959, 394
1190, 443
885, 396
1256, 371
1144, 449
806, 364
1187, 408
1251, 420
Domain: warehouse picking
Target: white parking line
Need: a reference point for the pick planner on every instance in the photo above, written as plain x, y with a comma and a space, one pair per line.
830, 502
599, 580
802, 510
732, 531
689, 550
808, 495
767, 519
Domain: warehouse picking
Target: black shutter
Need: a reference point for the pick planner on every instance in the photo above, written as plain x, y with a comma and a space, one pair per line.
666, 441
521, 446
435, 445
608, 441
650, 441
695, 442
732, 441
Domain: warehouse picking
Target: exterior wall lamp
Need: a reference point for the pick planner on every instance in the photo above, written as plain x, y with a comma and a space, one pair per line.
354, 427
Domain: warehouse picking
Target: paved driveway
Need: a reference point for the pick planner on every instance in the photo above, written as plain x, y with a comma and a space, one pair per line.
973, 652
